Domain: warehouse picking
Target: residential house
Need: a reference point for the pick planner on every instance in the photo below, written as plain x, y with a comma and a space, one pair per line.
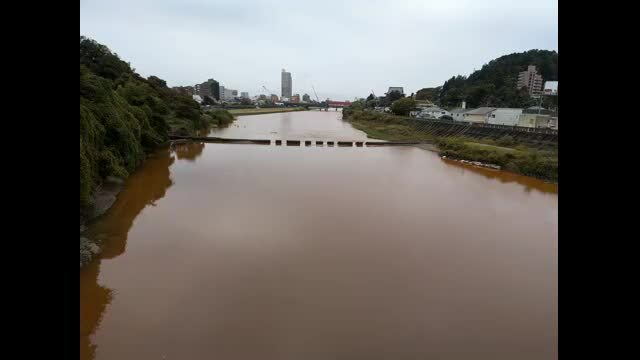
433, 112
458, 114
479, 115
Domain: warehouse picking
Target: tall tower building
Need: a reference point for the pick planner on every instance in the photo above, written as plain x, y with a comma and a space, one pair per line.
286, 84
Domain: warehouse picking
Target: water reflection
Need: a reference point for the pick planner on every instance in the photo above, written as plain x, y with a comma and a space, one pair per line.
143, 188
188, 151
320, 125
325, 252
507, 177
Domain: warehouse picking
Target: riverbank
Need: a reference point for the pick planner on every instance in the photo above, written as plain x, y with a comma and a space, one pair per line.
243, 112
100, 201
505, 152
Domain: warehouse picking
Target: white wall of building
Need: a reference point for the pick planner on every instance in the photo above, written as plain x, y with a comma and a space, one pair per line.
505, 116
457, 114
226, 94
435, 112
476, 118
534, 120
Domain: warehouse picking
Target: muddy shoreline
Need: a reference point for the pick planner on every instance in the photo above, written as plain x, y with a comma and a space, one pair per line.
103, 199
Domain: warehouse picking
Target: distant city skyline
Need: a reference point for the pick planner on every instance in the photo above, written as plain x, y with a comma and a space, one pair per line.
342, 55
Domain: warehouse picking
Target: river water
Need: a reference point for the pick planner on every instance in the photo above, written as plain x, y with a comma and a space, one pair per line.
235, 251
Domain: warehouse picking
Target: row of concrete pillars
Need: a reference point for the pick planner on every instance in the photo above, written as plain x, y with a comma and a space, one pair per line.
320, 143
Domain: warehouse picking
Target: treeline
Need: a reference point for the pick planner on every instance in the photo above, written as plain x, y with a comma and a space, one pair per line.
495, 84
123, 116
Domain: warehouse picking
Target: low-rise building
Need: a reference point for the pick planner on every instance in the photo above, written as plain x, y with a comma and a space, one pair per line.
227, 94
433, 112
534, 120
458, 114
244, 95
505, 116
295, 98
479, 115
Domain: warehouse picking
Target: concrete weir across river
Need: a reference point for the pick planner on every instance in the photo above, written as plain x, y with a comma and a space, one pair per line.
215, 250
342, 143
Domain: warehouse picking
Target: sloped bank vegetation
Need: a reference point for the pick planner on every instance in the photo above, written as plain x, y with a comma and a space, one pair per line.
123, 117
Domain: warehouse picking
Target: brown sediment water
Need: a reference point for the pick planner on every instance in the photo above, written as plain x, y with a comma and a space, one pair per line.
226, 251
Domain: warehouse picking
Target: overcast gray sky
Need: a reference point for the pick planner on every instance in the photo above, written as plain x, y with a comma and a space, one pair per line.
345, 48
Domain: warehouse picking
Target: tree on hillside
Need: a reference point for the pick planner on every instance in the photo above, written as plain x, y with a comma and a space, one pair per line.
101, 61
156, 82
430, 94
495, 83
403, 106
370, 97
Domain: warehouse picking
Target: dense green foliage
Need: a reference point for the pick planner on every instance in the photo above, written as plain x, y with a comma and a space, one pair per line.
403, 106
494, 84
123, 116
431, 94
220, 117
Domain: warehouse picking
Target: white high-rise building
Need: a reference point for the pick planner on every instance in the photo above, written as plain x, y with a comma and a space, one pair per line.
286, 84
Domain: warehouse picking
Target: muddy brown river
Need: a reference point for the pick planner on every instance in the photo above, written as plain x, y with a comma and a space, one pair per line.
235, 251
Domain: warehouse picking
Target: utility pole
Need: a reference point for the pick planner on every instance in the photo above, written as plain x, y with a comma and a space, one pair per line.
540, 104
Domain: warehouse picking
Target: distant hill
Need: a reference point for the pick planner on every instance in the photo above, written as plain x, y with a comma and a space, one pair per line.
495, 83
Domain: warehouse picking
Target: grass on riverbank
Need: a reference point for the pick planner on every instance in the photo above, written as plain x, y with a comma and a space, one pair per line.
541, 164
254, 111
506, 151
